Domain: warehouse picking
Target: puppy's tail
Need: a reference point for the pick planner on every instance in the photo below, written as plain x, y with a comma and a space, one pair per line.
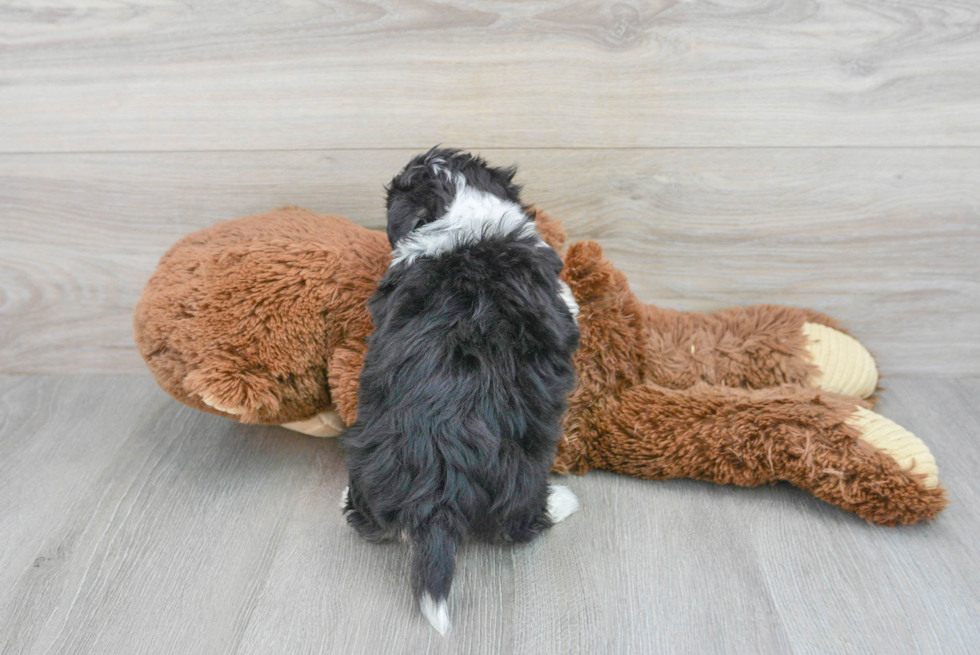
434, 543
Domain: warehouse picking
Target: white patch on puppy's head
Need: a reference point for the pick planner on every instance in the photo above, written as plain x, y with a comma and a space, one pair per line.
473, 215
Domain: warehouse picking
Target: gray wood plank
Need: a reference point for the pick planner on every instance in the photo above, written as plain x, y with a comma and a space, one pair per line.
328, 591
185, 533
164, 551
201, 76
647, 568
45, 465
682, 566
883, 239
840, 585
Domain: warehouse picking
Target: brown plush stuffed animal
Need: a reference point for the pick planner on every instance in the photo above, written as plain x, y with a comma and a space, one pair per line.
264, 319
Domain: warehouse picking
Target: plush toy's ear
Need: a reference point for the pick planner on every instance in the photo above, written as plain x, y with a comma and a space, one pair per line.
590, 275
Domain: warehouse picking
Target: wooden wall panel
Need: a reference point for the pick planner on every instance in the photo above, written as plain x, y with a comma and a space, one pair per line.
169, 75
887, 239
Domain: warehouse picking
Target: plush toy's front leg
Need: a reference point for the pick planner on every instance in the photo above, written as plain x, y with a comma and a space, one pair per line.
345, 372
325, 424
756, 347
840, 452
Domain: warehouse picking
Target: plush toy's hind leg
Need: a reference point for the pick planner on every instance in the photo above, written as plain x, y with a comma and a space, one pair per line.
843, 365
836, 450
756, 347
225, 385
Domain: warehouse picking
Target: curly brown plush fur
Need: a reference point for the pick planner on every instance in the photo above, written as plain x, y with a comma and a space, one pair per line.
642, 406
264, 319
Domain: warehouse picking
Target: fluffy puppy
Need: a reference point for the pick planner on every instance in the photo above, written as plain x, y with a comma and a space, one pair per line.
466, 374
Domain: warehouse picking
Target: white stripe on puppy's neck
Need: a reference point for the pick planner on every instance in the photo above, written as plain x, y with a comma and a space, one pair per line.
474, 215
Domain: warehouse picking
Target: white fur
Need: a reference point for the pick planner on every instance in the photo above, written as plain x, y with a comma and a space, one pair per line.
343, 499
562, 503
436, 613
473, 215
439, 167
566, 295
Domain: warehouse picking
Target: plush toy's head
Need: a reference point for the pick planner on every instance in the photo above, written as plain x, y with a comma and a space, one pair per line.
263, 319
242, 319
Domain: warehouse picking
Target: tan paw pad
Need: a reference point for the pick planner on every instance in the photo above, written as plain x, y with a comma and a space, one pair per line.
908, 450
846, 367
324, 424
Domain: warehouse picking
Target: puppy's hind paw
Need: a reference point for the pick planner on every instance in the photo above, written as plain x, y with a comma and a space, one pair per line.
562, 503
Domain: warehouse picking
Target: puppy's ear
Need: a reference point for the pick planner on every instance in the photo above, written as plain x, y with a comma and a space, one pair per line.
403, 217
505, 178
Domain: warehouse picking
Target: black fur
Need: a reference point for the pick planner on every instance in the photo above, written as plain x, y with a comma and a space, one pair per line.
417, 196
464, 382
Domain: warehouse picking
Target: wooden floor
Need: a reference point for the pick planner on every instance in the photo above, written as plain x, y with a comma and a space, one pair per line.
132, 524
823, 153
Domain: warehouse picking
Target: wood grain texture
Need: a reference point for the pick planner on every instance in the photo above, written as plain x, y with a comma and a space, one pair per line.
822, 153
165, 548
883, 239
831, 595
150, 528
43, 469
173, 75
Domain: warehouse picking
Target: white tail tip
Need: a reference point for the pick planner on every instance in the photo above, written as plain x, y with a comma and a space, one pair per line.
436, 613
562, 503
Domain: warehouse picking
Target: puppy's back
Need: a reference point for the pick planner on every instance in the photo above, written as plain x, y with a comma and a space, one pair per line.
471, 355
465, 378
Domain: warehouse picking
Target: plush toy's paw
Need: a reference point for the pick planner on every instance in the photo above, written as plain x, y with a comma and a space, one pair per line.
324, 424
562, 503
908, 451
846, 367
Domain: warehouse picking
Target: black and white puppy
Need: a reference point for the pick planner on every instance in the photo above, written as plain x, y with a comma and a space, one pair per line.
466, 375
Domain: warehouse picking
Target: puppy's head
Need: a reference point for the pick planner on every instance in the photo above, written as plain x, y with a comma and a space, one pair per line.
423, 191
